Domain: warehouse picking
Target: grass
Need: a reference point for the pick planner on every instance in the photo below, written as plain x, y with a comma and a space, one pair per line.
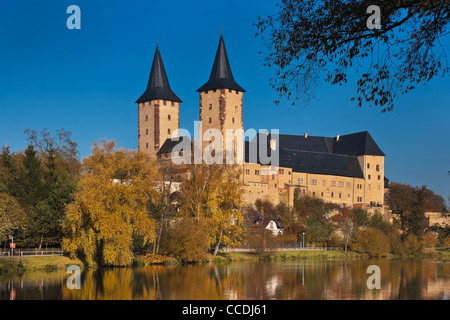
48, 263
289, 255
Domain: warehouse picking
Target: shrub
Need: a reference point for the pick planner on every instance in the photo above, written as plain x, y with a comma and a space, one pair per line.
185, 240
373, 242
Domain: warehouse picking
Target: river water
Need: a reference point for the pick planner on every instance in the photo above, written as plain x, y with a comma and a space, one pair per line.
281, 280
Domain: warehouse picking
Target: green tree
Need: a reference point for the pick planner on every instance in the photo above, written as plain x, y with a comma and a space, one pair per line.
409, 204
309, 41
373, 242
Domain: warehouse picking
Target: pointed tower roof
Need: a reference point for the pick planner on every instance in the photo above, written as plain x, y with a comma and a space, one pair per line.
221, 76
158, 84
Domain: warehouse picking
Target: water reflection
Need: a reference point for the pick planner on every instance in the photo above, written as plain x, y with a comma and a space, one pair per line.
277, 280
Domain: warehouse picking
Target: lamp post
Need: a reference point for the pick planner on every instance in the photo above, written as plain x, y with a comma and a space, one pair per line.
303, 240
12, 245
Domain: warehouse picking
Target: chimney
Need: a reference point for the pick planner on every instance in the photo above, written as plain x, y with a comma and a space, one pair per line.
337, 138
273, 144
306, 135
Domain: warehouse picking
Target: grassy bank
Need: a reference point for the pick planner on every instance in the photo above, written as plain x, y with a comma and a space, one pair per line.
46, 263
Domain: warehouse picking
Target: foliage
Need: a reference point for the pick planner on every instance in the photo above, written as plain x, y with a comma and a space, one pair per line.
345, 223
429, 239
212, 196
409, 204
373, 242
262, 241
186, 239
109, 212
308, 41
11, 215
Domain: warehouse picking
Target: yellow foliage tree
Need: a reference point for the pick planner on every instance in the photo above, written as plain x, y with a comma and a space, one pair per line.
212, 195
110, 213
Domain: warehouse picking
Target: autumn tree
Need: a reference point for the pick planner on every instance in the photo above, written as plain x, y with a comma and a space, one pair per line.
309, 41
12, 215
212, 195
109, 213
345, 223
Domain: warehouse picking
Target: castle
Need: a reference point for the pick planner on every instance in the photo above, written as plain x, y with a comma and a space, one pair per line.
346, 169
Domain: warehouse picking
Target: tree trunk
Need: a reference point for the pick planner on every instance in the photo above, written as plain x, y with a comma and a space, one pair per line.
216, 249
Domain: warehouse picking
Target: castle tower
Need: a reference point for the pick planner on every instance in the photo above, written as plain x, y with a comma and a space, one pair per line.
221, 99
158, 109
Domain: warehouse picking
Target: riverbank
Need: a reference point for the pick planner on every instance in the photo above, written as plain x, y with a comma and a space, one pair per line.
54, 263
45, 263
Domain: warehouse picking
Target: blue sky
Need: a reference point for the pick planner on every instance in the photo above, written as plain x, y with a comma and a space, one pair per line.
86, 81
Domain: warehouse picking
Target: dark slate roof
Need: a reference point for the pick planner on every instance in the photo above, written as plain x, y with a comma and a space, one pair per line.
169, 144
221, 76
320, 155
158, 86
356, 144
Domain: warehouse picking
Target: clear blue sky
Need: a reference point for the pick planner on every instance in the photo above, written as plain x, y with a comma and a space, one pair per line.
86, 81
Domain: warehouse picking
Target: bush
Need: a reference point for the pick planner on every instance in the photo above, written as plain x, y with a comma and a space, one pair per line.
373, 242
411, 244
185, 240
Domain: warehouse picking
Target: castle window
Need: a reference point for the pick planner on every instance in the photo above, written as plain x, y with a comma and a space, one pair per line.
314, 194
165, 102
281, 171
232, 120
321, 194
368, 166
301, 180
146, 131
210, 107
379, 177
298, 181
168, 131
332, 194
340, 195
210, 120
173, 104
273, 177
341, 183
247, 171
257, 172
368, 176
333, 183
214, 90
378, 167
230, 90
168, 117
146, 117
146, 145
323, 182
313, 182
347, 184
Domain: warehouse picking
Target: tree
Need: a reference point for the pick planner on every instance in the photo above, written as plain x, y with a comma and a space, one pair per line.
345, 223
409, 204
212, 195
109, 213
309, 40
12, 216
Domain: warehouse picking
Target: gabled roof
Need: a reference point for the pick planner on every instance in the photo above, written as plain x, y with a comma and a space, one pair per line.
158, 86
356, 144
221, 76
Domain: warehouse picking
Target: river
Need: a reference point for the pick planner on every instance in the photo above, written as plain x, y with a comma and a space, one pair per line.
280, 280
